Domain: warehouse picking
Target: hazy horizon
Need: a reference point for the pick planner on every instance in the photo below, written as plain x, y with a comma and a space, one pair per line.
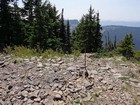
110, 10
113, 10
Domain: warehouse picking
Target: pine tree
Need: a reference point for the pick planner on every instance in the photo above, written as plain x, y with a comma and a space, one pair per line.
115, 42
98, 35
5, 23
126, 46
53, 29
28, 19
62, 32
87, 35
68, 45
17, 25
45, 26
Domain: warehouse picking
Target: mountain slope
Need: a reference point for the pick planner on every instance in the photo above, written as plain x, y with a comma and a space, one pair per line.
121, 31
73, 24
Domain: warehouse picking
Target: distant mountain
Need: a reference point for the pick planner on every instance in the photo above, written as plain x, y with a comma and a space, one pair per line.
73, 24
121, 31
121, 23
118, 28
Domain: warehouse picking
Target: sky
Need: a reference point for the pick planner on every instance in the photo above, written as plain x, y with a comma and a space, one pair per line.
113, 10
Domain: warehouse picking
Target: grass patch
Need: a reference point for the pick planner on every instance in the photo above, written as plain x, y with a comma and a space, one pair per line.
105, 54
50, 54
131, 74
124, 78
76, 53
21, 51
125, 88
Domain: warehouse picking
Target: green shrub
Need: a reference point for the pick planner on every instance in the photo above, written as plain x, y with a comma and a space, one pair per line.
76, 53
20, 51
126, 46
105, 54
50, 53
8, 50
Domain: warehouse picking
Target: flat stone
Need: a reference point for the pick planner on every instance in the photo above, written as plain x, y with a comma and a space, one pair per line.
55, 65
104, 81
105, 68
134, 80
89, 87
60, 62
34, 94
39, 65
125, 65
37, 99
117, 75
94, 72
24, 93
71, 68
35, 103
138, 94
57, 96
110, 87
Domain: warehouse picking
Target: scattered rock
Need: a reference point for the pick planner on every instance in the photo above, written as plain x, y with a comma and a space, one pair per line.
39, 65
134, 80
61, 81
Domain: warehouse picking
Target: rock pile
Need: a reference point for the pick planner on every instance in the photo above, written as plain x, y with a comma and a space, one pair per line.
61, 81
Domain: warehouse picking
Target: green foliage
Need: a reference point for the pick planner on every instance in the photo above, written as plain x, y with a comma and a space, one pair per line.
68, 44
87, 34
109, 44
21, 51
124, 78
105, 54
137, 55
76, 53
126, 46
50, 54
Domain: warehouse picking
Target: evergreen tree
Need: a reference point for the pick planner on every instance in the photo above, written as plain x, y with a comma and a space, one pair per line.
53, 41
68, 45
126, 46
43, 28
28, 19
62, 32
98, 35
87, 35
115, 42
5, 23
17, 25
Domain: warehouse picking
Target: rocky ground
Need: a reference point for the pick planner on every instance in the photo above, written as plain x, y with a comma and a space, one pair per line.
62, 81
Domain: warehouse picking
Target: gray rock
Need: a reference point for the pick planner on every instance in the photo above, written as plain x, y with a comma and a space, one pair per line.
24, 93
134, 80
37, 99
58, 96
39, 65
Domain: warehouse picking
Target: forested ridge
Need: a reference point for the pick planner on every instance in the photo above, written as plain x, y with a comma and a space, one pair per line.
39, 25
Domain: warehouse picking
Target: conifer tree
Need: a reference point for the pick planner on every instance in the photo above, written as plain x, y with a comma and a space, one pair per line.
62, 32
54, 40
17, 25
126, 46
28, 19
68, 45
87, 34
5, 23
115, 42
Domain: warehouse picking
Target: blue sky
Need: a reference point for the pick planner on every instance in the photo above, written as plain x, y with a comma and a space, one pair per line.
115, 10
